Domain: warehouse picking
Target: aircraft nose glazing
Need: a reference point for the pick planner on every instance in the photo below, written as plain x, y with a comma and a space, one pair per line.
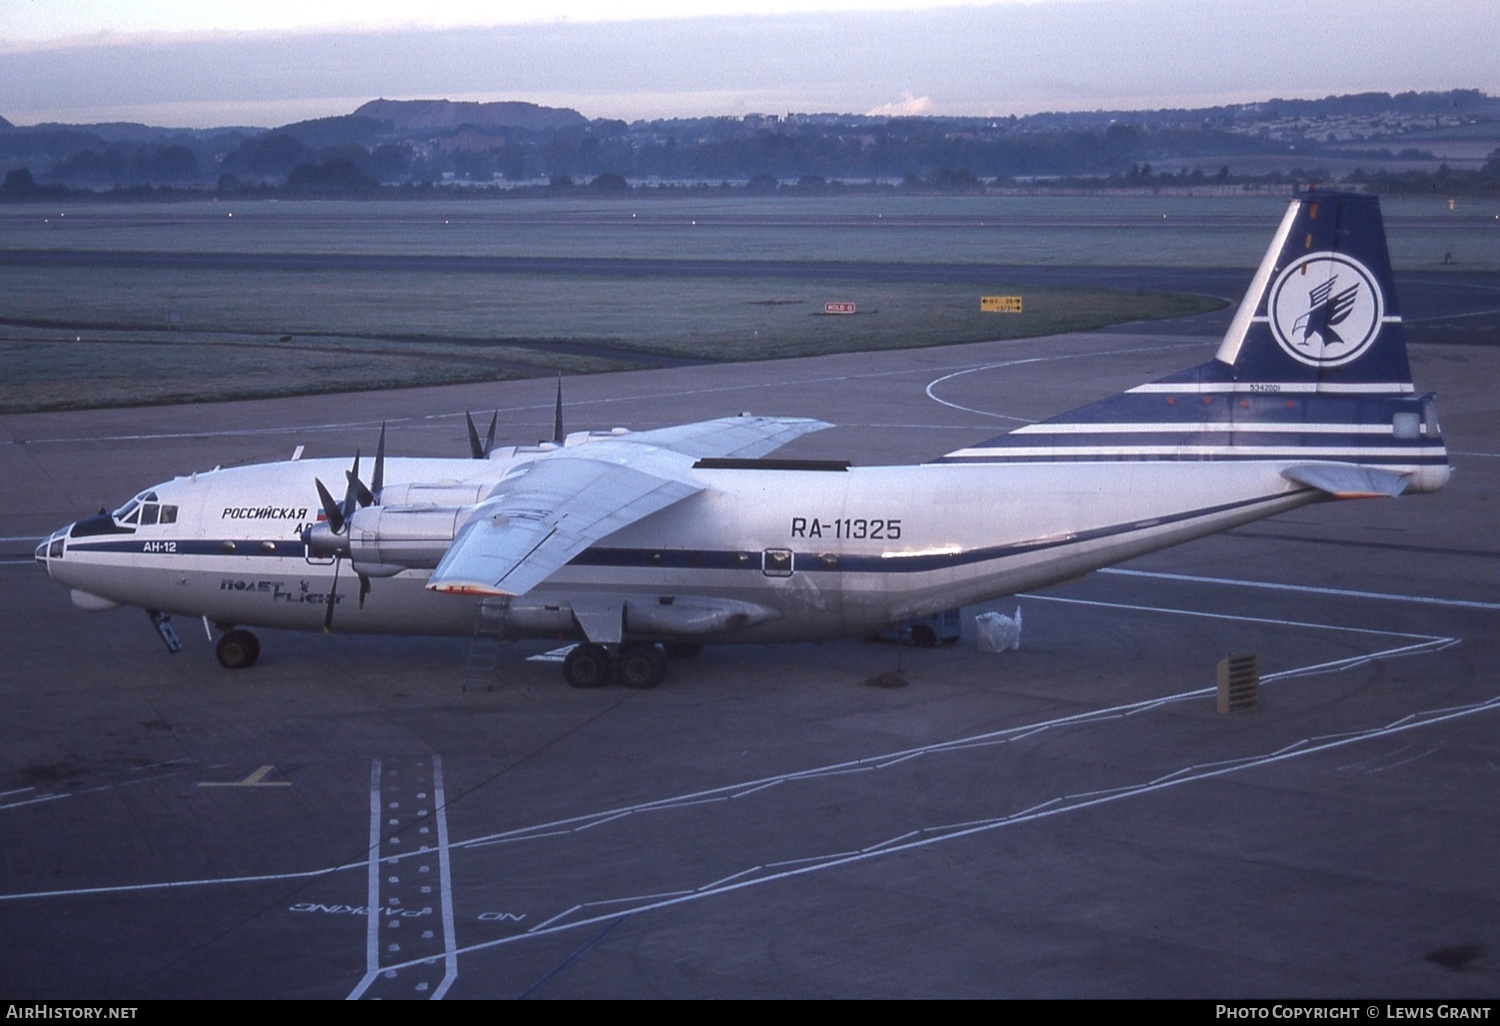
51, 548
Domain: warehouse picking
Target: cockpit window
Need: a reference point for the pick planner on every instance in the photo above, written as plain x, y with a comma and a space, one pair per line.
126, 513
149, 512
168, 514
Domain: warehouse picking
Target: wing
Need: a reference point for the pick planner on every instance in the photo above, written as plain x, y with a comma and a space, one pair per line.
745, 436
542, 515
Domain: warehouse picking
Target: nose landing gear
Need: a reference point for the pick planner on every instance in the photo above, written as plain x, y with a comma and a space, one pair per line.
237, 649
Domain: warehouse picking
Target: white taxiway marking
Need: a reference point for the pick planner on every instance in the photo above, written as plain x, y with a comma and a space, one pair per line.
74, 792
445, 881
583, 914
1306, 589
1440, 318
575, 404
1418, 644
771, 872
935, 382
372, 889
377, 976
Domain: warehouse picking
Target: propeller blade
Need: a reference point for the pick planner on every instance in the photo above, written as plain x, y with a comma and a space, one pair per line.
333, 594
475, 449
364, 589
489, 438
330, 509
362, 494
351, 493
378, 482
558, 434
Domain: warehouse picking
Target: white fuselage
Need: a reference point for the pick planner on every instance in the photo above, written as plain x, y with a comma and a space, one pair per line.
757, 555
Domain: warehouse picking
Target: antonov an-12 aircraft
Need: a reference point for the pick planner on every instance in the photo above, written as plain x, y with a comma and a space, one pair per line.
637, 544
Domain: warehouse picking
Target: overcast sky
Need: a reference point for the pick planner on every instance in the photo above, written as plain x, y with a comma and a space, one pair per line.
199, 63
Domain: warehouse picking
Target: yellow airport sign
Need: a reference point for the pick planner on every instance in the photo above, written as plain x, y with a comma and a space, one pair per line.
1000, 304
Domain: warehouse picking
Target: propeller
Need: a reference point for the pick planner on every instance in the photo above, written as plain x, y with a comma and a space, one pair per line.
478, 451
337, 516
558, 434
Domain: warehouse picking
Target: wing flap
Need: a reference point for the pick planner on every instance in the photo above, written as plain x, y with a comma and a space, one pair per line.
537, 520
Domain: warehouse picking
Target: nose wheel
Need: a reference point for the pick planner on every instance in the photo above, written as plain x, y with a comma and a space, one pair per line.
237, 649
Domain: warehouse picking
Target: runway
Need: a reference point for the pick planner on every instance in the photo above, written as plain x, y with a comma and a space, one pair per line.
349, 819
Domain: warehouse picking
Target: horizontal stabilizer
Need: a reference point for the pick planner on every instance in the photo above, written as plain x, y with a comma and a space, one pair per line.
1347, 481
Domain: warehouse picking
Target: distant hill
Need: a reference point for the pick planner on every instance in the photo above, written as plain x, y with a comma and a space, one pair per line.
338, 131
1444, 141
416, 115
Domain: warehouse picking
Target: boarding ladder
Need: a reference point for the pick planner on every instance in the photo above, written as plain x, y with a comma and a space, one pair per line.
484, 648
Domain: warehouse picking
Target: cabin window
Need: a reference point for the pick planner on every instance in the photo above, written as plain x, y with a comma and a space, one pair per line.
776, 562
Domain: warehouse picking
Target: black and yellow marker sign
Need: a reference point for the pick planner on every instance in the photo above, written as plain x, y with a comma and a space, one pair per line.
1000, 304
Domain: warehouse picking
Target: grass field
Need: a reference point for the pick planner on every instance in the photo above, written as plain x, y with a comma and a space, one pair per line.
131, 337
75, 337
1128, 230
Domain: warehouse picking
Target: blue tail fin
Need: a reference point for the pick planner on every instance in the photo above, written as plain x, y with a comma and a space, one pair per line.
1321, 313
1312, 369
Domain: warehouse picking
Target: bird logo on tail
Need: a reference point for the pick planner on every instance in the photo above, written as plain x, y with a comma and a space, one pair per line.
1320, 320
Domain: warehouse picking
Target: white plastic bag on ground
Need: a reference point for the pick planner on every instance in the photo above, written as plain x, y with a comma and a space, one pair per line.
998, 633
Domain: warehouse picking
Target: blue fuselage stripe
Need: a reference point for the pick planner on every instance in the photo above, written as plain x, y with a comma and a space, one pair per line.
815, 561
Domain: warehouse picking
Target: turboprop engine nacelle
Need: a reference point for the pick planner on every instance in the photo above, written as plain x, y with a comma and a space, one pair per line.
434, 493
381, 541
384, 540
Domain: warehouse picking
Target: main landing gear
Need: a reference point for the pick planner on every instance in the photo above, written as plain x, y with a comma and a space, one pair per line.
237, 649
637, 664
